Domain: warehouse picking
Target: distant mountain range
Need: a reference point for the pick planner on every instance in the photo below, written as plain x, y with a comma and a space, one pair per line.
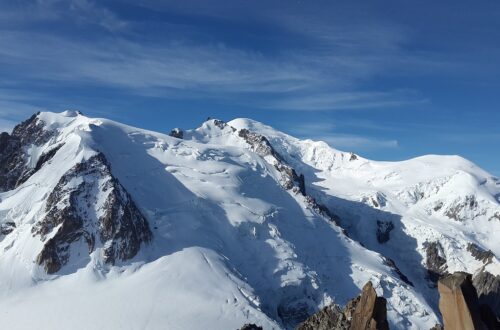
107, 226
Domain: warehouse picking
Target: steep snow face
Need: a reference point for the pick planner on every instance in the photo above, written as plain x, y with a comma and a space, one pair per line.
403, 209
236, 223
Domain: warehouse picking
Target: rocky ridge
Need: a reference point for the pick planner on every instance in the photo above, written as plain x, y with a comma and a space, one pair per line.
90, 205
14, 162
365, 312
460, 306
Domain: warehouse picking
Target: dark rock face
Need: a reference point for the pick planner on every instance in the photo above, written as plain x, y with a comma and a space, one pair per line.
261, 145
7, 227
90, 206
480, 254
14, 169
177, 133
324, 211
459, 304
371, 311
488, 289
435, 261
330, 317
455, 211
384, 231
251, 326
367, 311
389, 262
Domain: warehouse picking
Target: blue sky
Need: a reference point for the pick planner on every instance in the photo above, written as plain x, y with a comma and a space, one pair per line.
389, 80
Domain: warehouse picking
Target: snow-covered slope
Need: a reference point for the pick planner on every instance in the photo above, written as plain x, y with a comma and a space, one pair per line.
109, 226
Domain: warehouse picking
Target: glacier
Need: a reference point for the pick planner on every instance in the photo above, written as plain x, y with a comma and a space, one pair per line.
233, 223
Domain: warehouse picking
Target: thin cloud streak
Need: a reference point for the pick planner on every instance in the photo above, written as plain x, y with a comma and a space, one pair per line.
324, 76
348, 101
322, 131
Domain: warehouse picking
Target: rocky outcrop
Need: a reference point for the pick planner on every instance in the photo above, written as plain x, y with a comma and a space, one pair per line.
90, 206
324, 211
177, 133
367, 311
370, 312
330, 317
435, 261
485, 256
251, 326
389, 262
14, 169
261, 145
460, 307
384, 229
488, 290
462, 210
7, 228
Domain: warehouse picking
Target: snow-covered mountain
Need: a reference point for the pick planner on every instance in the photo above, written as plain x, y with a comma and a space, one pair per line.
103, 225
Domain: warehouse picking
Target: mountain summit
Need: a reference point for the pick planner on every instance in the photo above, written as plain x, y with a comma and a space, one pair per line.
104, 225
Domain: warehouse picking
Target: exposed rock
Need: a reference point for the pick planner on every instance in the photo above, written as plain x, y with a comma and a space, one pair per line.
7, 228
177, 133
261, 145
88, 205
438, 206
370, 312
14, 169
330, 317
480, 254
220, 123
367, 311
437, 327
460, 210
459, 304
251, 326
289, 179
488, 290
384, 229
352, 157
46, 156
324, 211
302, 184
389, 262
435, 261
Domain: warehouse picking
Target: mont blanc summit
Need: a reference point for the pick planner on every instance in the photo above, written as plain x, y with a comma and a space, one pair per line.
103, 225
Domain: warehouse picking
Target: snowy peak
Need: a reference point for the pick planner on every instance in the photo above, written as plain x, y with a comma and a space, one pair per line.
85, 210
89, 209
278, 227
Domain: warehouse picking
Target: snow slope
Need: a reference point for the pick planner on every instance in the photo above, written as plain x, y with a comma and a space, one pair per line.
234, 238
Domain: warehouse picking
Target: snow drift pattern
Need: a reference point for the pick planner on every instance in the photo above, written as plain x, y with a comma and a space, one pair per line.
245, 224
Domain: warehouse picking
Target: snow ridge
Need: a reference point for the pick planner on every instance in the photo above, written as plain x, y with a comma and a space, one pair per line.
236, 222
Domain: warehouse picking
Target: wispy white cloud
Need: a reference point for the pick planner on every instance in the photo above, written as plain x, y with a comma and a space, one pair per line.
327, 132
68, 12
324, 76
358, 143
349, 100
121, 63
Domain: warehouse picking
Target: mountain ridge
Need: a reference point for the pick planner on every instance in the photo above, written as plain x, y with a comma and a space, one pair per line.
261, 203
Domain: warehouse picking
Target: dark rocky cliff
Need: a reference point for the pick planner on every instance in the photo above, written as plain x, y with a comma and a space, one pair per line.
90, 205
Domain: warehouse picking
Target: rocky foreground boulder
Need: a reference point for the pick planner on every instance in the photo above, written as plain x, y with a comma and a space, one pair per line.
460, 307
367, 311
